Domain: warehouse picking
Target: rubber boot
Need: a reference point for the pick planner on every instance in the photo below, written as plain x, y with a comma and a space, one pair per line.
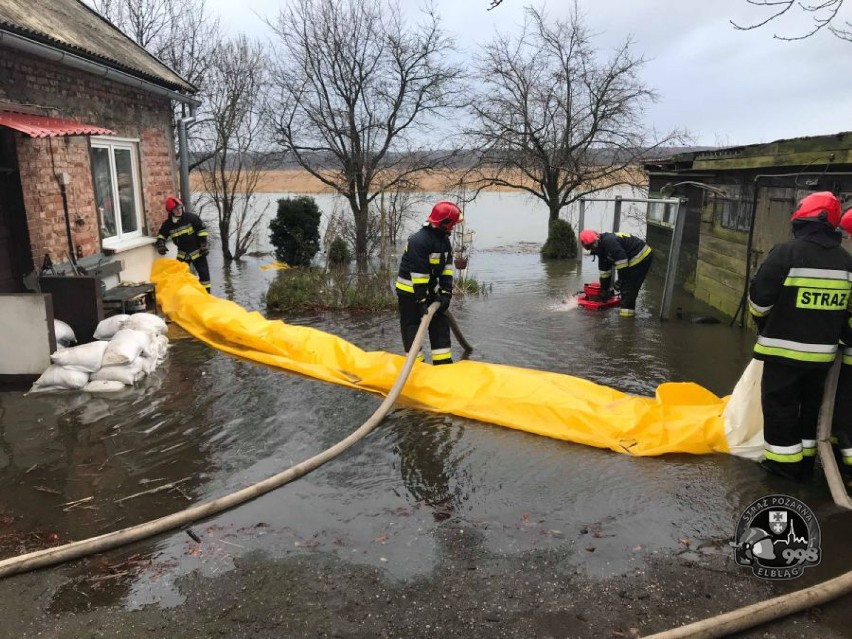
788, 470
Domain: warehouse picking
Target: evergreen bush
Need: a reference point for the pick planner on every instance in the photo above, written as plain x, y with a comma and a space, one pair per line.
295, 230
561, 242
339, 253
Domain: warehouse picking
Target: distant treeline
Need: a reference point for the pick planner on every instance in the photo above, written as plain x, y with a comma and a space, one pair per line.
459, 160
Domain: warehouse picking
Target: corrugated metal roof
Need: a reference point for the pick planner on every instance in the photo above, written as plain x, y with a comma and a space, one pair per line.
72, 26
39, 126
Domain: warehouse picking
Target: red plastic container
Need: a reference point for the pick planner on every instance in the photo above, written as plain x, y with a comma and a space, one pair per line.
591, 297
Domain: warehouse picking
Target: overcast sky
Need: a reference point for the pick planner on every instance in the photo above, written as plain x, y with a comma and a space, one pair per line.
725, 86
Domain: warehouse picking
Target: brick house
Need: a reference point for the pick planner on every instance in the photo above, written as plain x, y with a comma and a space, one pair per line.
87, 153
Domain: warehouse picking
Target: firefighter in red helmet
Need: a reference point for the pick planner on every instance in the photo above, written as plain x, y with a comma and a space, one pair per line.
842, 416
631, 258
425, 276
798, 299
189, 234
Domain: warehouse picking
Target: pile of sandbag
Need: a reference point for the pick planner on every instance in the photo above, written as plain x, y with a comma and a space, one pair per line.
127, 348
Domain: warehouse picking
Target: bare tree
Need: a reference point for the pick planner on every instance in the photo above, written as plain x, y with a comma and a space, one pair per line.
356, 86
823, 14
553, 119
181, 33
239, 71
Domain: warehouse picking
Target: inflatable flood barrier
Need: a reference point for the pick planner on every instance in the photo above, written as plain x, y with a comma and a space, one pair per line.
681, 418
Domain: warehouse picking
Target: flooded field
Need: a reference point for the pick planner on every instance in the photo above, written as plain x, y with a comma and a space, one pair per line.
421, 493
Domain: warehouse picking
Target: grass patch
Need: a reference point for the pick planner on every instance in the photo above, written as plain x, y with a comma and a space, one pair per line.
316, 290
470, 286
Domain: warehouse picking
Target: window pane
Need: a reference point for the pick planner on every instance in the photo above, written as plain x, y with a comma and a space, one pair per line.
103, 191
126, 192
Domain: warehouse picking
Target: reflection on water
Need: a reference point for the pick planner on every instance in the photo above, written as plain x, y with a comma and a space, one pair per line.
209, 423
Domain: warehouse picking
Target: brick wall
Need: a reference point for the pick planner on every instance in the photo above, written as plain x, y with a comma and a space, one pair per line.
68, 93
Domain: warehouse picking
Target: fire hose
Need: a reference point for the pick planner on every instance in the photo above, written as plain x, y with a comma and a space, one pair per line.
83, 548
791, 603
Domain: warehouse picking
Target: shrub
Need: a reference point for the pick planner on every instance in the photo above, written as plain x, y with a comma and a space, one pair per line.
469, 286
316, 290
339, 253
295, 230
561, 242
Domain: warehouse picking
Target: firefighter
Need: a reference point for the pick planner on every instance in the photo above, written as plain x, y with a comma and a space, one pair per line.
798, 299
189, 234
842, 421
426, 276
631, 258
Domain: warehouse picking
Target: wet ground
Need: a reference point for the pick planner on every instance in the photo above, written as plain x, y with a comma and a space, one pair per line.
432, 526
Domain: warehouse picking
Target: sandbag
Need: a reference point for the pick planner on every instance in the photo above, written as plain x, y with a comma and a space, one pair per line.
125, 346
110, 326
163, 343
156, 348
146, 364
146, 322
125, 373
60, 378
64, 333
103, 386
86, 357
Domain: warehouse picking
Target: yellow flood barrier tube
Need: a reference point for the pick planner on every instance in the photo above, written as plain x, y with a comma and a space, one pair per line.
681, 418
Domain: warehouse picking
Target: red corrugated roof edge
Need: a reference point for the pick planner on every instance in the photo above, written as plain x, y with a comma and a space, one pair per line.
40, 126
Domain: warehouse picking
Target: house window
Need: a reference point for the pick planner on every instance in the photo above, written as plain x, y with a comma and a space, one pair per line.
733, 214
115, 171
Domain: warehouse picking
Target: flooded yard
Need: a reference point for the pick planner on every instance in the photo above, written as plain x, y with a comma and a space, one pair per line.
432, 522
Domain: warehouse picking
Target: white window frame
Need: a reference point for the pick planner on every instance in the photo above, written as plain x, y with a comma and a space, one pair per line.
121, 240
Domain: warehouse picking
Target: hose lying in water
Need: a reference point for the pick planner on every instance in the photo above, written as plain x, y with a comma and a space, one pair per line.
85, 547
454, 326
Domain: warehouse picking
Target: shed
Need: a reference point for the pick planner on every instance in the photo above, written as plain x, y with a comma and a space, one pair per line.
739, 201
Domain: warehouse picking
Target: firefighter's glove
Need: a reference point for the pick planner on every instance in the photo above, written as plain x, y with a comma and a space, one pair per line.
760, 323
161, 248
423, 305
205, 249
617, 287
444, 299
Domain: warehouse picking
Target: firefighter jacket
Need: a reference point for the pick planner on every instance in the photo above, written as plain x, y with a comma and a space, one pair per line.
799, 298
188, 233
620, 250
426, 267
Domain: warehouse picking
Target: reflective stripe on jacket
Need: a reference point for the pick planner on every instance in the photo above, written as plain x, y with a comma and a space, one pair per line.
187, 232
620, 250
800, 298
426, 267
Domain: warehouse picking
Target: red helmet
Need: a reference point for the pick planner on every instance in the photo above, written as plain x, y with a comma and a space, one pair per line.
819, 207
445, 215
172, 203
846, 221
588, 238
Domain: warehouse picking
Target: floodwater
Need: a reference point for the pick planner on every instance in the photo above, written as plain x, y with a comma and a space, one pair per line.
207, 424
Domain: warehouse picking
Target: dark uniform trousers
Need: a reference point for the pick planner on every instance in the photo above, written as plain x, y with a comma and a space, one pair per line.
201, 269
631, 279
410, 314
791, 397
842, 421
